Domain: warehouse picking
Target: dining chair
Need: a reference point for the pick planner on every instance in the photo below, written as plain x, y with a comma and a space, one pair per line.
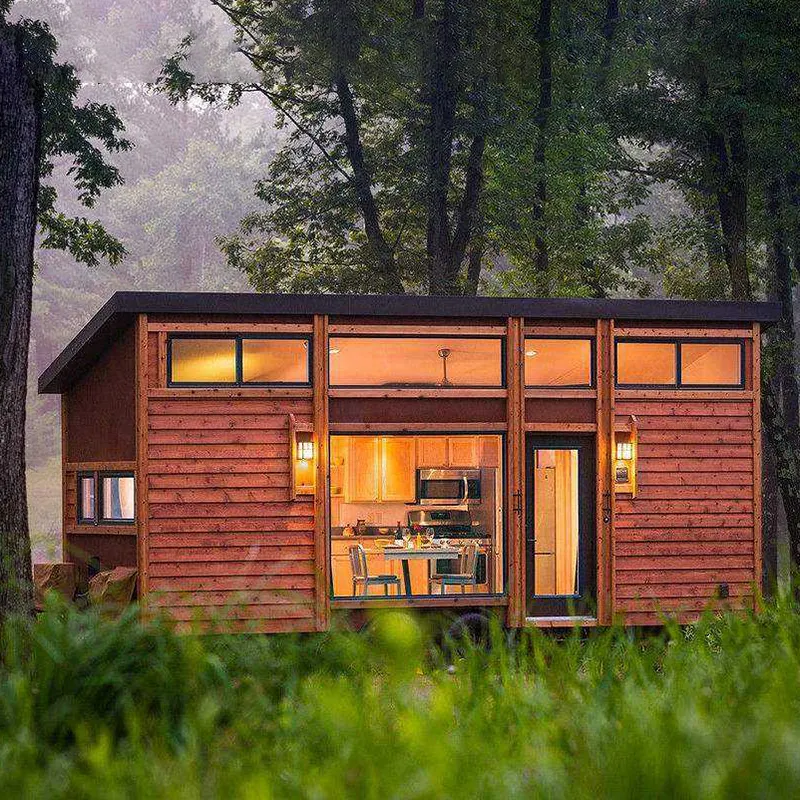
467, 574
361, 576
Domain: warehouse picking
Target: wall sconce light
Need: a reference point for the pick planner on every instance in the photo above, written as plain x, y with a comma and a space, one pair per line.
625, 451
626, 458
305, 450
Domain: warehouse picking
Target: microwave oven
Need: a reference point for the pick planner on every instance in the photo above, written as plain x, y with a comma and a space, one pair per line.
448, 487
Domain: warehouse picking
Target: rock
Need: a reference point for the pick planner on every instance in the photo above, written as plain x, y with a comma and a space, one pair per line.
59, 577
113, 588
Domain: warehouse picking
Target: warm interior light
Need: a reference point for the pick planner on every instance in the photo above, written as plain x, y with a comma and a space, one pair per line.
305, 450
333, 351
530, 353
625, 451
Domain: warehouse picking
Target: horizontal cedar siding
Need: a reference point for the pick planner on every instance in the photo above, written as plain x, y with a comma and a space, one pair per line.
227, 545
690, 527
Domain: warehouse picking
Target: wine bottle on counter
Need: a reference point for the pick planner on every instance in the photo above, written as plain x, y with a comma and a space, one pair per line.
398, 534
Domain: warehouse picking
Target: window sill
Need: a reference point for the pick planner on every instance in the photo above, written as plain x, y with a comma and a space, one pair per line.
421, 601
454, 392
120, 529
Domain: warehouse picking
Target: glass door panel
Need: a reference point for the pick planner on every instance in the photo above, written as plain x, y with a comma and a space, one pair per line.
560, 540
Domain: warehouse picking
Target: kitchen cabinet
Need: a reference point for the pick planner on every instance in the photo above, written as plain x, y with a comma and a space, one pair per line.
398, 469
447, 451
379, 469
462, 451
363, 479
490, 451
432, 451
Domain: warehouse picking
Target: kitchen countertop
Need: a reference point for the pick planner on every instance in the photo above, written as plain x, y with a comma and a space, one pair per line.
375, 532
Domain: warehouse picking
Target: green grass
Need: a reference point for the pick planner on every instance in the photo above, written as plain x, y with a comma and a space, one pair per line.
106, 709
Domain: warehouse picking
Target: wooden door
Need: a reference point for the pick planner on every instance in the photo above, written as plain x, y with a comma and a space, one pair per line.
398, 469
363, 474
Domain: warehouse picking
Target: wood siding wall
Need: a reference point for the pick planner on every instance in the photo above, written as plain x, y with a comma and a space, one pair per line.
225, 540
691, 526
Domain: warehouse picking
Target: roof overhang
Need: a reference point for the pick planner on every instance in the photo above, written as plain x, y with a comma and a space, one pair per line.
120, 311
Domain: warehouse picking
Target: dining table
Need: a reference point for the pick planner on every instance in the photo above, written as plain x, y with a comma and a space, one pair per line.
405, 554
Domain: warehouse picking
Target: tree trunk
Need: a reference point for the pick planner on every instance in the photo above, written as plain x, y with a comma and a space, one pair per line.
731, 157
443, 92
388, 278
544, 41
782, 399
20, 138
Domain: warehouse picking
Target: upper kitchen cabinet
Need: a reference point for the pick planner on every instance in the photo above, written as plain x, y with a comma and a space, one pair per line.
462, 451
379, 468
398, 469
447, 451
363, 480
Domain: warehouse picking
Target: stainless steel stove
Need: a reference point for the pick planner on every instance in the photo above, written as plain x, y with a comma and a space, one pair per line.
447, 523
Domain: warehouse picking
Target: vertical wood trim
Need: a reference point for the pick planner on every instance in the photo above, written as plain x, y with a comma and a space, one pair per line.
322, 608
612, 447
162, 359
603, 500
757, 476
64, 440
142, 500
515, 474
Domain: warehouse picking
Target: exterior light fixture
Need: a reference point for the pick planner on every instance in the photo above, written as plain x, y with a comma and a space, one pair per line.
305, 450
625, 451
531, 353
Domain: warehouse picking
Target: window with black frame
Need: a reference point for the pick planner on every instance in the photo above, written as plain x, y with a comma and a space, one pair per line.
416, 515
106, 498
239, 360
680, 363
441, 362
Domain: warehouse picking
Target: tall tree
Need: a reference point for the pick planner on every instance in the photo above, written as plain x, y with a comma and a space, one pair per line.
39, 123
391, 108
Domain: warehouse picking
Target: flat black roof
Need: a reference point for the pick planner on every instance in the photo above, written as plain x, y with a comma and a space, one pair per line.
122, 307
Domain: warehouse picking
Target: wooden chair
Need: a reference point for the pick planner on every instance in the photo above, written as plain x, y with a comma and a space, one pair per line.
361, 576
467, 574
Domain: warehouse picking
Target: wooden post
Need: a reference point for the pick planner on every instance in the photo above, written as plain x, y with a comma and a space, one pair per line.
142, 504
604, 511
757, 484
64, 457
322, 606
515, 475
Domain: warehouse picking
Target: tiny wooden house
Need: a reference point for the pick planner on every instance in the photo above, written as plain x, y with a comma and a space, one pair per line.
275, 459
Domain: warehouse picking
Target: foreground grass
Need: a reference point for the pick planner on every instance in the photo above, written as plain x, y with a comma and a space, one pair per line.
124, 709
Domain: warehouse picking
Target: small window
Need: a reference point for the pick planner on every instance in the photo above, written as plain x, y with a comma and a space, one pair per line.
201, 361
558, 362
275, 361
431, 361
711, 364
118, 498
647, 363
87, 507
235, 361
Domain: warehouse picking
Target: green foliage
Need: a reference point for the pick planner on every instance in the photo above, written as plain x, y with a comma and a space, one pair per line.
76, 135
92, 708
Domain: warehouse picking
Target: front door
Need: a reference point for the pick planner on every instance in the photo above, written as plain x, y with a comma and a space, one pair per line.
560, 530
